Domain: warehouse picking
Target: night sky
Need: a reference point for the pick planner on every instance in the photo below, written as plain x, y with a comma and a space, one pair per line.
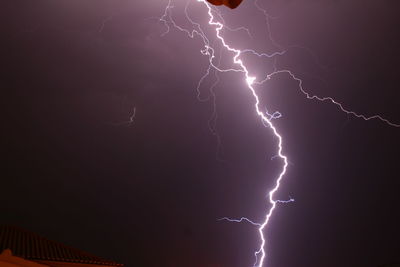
149, 193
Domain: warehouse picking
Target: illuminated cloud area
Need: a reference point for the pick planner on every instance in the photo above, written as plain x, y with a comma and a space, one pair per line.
108, 134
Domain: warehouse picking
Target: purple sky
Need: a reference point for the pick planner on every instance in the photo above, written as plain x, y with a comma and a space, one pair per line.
150, 193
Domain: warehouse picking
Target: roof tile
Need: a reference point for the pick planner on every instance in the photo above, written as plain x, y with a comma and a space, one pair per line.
31, 246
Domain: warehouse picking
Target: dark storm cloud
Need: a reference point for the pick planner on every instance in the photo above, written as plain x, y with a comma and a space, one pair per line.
149, 193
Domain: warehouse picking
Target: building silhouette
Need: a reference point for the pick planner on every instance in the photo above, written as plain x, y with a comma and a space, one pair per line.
21, 248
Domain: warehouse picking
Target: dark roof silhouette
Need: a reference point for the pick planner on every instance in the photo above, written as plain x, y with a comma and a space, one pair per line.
31, 246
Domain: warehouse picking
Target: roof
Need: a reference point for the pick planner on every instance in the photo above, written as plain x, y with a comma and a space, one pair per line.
32, 246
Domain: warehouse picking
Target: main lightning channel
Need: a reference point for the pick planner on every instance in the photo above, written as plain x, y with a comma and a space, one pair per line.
250, 81
266, 118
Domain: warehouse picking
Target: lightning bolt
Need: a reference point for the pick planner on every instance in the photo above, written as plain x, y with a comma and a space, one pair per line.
266, 117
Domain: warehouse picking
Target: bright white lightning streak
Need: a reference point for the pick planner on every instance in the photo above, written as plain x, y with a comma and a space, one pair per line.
265, 116
250, 81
